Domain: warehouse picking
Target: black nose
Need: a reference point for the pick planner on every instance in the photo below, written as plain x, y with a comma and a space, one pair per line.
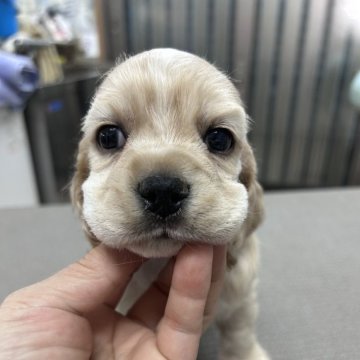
163, 195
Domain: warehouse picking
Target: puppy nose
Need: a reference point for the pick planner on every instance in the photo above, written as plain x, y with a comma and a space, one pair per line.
163, 195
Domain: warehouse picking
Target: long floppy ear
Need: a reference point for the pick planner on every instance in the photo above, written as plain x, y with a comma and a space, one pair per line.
248, 177
80, 175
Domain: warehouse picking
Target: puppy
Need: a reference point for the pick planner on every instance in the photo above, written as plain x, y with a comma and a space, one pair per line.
164, 161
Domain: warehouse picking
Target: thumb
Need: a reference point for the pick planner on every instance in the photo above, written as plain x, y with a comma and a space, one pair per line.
100, 277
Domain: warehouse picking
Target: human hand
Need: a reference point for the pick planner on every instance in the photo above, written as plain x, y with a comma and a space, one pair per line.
71, 315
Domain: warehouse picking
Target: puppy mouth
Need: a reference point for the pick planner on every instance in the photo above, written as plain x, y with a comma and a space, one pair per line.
160, 239
161, 233
157, 243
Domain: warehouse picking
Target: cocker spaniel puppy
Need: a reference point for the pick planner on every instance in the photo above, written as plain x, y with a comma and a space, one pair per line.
164, 161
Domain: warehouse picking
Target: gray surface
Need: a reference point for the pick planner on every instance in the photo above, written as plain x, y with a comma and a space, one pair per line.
35, 243
310, 276
309, 282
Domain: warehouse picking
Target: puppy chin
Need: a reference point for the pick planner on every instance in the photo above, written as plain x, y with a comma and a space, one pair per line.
157, 248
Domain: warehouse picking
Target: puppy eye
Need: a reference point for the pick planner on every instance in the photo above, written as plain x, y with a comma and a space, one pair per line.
219, 140
110, 137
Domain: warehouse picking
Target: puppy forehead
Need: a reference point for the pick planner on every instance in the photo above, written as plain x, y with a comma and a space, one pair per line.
165, 87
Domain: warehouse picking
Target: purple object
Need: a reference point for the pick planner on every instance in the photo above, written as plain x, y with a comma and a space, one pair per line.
18, 79
19, 72
9, 97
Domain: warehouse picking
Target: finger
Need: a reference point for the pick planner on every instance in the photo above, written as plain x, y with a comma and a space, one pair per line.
217, 280
98, 278
180, 328
149, 308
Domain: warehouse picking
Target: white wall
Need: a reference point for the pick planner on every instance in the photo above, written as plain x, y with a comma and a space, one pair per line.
17, 180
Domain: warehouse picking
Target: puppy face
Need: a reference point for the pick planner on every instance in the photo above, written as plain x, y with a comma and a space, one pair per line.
162, 154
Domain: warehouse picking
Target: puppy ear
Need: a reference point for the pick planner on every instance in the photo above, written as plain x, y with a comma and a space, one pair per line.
248, 177
80, 175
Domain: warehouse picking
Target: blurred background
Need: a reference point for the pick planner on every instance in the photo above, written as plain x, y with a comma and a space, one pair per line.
295, 63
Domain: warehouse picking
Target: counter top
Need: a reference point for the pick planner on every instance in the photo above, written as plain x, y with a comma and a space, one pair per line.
309, 289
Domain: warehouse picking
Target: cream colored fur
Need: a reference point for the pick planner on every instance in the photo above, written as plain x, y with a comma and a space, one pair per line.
165, 100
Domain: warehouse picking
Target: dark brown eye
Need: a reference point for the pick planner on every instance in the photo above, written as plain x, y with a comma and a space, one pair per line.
110, 137
219, 140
